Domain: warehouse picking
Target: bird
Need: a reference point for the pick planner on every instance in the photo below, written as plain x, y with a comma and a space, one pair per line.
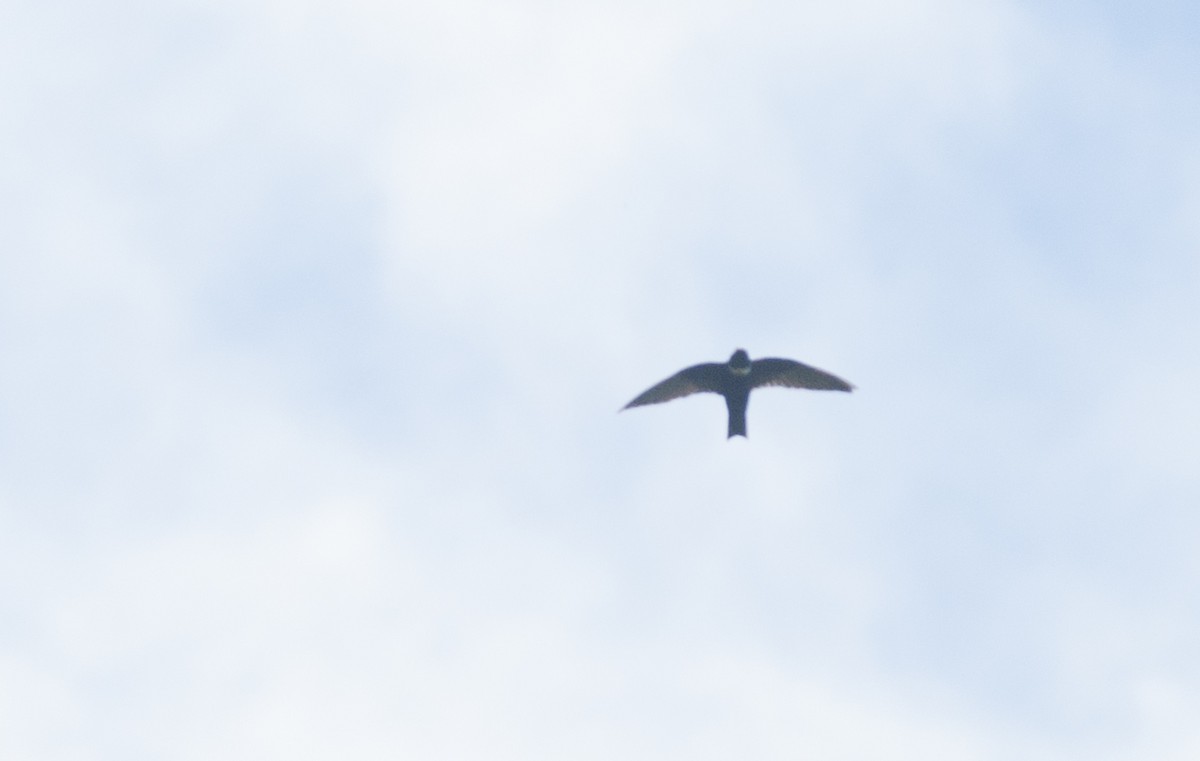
735, 379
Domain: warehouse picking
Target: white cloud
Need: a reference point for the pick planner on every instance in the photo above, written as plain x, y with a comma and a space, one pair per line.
316, 318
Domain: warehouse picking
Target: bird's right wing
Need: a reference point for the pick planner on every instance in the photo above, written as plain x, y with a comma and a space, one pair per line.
692, 380
771, 371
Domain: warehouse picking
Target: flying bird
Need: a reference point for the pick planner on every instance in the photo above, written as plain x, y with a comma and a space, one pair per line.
735, 379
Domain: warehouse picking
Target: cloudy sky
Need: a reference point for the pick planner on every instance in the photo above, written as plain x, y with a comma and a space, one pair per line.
315, 318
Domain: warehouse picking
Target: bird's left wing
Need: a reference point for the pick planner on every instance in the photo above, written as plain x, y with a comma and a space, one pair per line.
692, 380
771, 371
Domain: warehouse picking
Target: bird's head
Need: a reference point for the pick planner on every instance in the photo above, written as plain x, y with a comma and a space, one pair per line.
739, 363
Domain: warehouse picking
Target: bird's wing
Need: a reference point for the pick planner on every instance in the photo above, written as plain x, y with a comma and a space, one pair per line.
692, 380
771, 371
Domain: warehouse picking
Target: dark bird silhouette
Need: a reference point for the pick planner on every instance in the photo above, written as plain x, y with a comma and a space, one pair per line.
735, 379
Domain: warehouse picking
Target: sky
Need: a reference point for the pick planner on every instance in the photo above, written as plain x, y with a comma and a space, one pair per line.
315, 319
